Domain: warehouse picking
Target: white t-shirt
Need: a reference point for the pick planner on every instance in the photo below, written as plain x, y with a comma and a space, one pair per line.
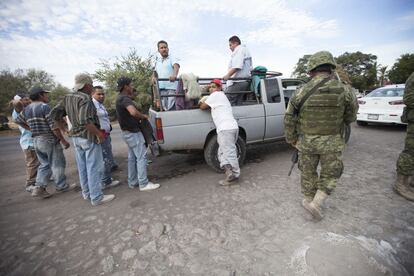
242, 60
221, 111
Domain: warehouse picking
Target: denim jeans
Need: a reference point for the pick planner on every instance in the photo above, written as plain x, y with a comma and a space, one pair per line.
137, 159
52, 162
90, 166
108, 160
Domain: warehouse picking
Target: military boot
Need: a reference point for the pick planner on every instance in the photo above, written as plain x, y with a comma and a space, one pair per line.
402, 187
315, 207
307, 199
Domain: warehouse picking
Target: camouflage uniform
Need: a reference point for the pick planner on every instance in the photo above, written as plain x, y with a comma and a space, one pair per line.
317, 132
405, 162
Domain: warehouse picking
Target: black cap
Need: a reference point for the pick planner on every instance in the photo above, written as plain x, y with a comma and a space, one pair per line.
122, 81
37, 90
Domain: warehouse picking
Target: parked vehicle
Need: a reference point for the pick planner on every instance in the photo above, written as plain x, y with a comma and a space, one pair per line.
382, 105
260, 119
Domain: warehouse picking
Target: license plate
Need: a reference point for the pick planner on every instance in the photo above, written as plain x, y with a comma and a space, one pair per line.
372, 116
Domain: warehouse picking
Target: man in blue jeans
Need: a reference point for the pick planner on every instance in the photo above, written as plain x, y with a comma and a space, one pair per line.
87, 138
129, 117
98, 98
47, 143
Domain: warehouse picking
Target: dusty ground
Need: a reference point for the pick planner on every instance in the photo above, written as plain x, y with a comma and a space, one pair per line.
192, 226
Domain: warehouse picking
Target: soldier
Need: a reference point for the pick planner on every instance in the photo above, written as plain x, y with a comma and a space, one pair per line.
314, 122
405, 163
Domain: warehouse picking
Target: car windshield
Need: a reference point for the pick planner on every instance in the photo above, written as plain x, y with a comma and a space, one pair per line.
387, 92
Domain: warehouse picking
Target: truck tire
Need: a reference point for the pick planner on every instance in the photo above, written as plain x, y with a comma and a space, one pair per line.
211, 149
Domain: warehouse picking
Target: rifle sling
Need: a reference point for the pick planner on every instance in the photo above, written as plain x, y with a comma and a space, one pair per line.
307, 95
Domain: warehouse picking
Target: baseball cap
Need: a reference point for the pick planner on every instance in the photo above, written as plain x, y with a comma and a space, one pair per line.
122, 81
81, 80
37, 90
216, 82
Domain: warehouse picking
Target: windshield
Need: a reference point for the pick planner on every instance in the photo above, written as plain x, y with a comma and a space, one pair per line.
387, 92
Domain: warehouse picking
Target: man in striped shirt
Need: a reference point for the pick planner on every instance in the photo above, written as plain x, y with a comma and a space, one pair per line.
47, 142
87, 138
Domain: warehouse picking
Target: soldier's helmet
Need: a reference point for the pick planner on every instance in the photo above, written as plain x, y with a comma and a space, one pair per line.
320, 58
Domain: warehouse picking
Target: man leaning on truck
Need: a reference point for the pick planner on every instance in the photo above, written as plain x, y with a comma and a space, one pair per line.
129, 117
226, 128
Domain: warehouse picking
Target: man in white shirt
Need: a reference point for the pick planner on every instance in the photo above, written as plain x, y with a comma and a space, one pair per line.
98, 98
226, 128
167, 67
240, 66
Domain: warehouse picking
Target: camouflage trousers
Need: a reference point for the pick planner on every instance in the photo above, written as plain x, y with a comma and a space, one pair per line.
405, 163
331, 171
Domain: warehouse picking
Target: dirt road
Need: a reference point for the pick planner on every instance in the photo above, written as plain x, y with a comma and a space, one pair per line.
192, 226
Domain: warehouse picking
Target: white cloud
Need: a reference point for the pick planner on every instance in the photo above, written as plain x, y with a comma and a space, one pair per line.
67, 37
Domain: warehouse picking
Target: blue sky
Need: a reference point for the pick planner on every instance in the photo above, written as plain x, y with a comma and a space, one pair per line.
68, 37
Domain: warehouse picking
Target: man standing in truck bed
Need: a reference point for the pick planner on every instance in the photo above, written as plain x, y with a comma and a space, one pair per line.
226, 128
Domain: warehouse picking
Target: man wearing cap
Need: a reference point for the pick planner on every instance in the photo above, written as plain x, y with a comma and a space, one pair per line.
129, 118
47, 143
167, 67
240, 66
86, 136
226, 128
98, 98
19, 102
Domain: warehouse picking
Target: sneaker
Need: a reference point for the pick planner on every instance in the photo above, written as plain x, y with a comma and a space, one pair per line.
105, 199
68, 188
40, 192
30, 188
150, 186
114, 183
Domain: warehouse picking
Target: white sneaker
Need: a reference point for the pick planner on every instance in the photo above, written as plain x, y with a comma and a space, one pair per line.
150, 186
105, 199
114, 183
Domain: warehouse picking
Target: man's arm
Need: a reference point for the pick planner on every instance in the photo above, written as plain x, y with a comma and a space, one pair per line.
230, 73
176, 67
135, 113
21, 121
204, 106
290, 123
351, 108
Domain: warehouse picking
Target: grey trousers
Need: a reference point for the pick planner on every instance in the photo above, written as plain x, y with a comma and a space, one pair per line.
236, 99
227, 151
168, 103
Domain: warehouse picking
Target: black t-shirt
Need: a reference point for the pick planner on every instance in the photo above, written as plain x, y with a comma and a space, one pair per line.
126, 121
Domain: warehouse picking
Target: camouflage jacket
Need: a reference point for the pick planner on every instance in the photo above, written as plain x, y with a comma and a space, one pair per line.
329, 143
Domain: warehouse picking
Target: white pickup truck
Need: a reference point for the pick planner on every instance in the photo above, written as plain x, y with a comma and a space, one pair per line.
260, 119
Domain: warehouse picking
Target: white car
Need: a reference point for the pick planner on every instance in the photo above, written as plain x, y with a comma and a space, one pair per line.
382, 105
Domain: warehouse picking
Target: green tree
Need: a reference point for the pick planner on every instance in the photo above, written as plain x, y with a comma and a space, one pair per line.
133, 66
57, 94
301, 71
382, 73
402, 68
361, 69
10, 84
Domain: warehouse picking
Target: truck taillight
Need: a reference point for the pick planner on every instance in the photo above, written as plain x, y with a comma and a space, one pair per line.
398, 102
361, 102
158, 129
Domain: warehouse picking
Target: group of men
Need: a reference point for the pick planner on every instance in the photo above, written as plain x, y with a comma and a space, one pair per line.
83, 117
239, 68
314, 124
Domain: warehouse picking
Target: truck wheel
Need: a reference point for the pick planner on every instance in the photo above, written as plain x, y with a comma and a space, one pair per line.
211, 149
